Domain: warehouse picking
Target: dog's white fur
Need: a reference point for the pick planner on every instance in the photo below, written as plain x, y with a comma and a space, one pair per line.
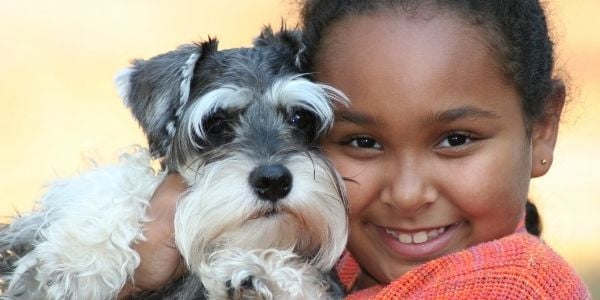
223, 213
89, 223
228, 236
275, 274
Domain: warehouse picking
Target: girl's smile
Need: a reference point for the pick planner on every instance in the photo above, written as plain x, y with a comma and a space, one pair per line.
434, 148
422, 244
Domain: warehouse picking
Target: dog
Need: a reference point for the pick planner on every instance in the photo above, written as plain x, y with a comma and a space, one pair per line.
265, 215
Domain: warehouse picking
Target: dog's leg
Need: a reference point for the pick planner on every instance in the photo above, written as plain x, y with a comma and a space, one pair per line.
14, 244
188, 287
83, 234
262, 274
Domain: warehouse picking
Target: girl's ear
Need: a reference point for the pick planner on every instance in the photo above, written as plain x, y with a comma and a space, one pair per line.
545, 131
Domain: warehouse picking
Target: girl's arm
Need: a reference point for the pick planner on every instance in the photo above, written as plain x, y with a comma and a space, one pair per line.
160, 261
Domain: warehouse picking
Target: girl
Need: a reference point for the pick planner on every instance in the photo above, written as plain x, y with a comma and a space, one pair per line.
455, 108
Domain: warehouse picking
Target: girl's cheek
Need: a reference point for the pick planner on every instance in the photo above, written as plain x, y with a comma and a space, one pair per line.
364, 189
492, 186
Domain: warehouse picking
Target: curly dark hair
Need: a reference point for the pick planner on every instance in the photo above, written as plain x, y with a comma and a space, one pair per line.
516, 30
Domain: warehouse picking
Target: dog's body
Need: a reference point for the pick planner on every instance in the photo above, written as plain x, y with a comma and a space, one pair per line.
264, 217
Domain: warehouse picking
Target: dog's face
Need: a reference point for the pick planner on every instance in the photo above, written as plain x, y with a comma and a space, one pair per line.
242, 127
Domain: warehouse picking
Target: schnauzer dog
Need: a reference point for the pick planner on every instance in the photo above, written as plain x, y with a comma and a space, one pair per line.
265, 216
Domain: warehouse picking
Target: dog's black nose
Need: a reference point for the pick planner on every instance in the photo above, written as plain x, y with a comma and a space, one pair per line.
271, 182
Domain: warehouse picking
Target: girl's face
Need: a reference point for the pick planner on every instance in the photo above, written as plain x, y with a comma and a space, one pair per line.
434, 147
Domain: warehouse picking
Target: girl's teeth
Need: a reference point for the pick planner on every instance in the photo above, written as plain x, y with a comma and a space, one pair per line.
418, 237
405, 238
432, 233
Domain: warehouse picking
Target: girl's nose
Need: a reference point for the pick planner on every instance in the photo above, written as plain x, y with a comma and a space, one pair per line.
408, 187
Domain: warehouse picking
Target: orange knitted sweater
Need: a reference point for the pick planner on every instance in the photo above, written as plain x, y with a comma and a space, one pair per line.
519, 266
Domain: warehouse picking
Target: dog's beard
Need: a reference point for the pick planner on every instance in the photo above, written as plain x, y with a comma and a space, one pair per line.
222, 211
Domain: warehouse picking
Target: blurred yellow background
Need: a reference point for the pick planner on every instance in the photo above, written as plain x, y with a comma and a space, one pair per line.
58, 101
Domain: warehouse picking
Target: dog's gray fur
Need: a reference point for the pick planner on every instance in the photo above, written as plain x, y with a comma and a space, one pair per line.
159, 100
254, 68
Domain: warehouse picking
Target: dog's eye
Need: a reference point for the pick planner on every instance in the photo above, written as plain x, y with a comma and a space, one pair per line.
217, 127
305, 121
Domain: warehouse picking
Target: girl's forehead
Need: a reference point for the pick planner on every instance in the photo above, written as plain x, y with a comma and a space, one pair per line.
440, 25
422, 65
434, 32
407, 49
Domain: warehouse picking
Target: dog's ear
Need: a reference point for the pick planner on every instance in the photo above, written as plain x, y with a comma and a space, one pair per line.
289, 39
156, 90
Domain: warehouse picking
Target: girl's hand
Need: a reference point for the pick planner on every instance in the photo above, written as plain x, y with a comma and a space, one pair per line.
160, 262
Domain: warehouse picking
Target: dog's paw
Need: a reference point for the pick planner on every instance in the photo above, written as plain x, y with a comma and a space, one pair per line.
262, 274
244, 289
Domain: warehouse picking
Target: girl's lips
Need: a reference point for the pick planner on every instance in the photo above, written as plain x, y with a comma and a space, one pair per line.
420, 244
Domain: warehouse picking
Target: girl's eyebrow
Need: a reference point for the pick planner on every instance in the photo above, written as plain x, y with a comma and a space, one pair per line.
463, 112
357, 118
446, 116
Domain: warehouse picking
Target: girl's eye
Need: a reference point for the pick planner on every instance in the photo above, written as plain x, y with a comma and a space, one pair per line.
364, 143
456, 140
